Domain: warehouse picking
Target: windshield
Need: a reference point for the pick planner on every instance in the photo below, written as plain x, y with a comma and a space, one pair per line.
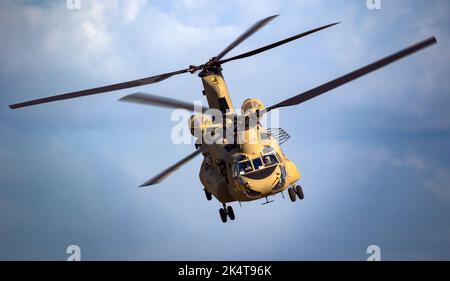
245, 167
257, 163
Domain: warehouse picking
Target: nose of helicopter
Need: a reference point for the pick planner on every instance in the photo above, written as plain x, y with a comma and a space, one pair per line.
263, 181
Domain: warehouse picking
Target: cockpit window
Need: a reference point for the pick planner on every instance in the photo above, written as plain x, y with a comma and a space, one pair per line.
257, 163
269, 160
267, 149
242, 157
245, 167
264, 136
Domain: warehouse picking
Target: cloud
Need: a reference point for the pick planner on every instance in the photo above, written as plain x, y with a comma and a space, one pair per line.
57, 36
439, 184
409, 160
132, 9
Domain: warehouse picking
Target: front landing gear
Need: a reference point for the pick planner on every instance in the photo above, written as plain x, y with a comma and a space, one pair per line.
223, 215
292, 195
230, 213
299, 191
294, 192
226, 212
208, 195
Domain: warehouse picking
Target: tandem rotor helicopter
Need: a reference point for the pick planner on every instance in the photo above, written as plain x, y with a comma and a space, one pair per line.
254, 167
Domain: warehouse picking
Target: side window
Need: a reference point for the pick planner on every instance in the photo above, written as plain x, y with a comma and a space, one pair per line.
278, 157
269, 160
242, 157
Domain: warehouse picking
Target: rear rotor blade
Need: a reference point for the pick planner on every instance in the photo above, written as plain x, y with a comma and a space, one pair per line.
354, 75
103, 89
148, 99
255, 27
276, 44
161, 176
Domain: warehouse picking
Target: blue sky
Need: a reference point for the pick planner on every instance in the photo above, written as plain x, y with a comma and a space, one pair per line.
374, 154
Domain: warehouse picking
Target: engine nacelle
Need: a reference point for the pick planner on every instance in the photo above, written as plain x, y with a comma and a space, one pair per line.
198, 124
251, 105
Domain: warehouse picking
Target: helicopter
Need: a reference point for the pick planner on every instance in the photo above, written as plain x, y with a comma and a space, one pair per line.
244, 161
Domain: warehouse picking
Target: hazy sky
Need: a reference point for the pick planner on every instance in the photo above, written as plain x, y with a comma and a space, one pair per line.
374, 154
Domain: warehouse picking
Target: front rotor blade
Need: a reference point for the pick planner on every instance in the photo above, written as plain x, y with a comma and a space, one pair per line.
276, 44
255, 27
161, 176
148, 99
103, 89
354, 75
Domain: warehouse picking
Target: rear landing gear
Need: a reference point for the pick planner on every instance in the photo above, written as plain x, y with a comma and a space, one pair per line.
223, 215
226, 212
295, 192
230, 213
292, 195
299, 191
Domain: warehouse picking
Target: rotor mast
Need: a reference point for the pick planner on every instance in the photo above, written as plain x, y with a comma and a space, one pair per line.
215, 89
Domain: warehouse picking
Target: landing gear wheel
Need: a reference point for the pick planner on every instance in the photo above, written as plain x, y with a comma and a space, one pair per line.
299, 191
292, 195
208, 195
230, 213
223, 215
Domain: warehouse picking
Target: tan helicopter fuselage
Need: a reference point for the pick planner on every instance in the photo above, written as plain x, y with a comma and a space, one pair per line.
254, 167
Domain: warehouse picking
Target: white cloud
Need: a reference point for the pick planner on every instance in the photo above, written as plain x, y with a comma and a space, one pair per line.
409, 160
59, 37
132, 9
439, 184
